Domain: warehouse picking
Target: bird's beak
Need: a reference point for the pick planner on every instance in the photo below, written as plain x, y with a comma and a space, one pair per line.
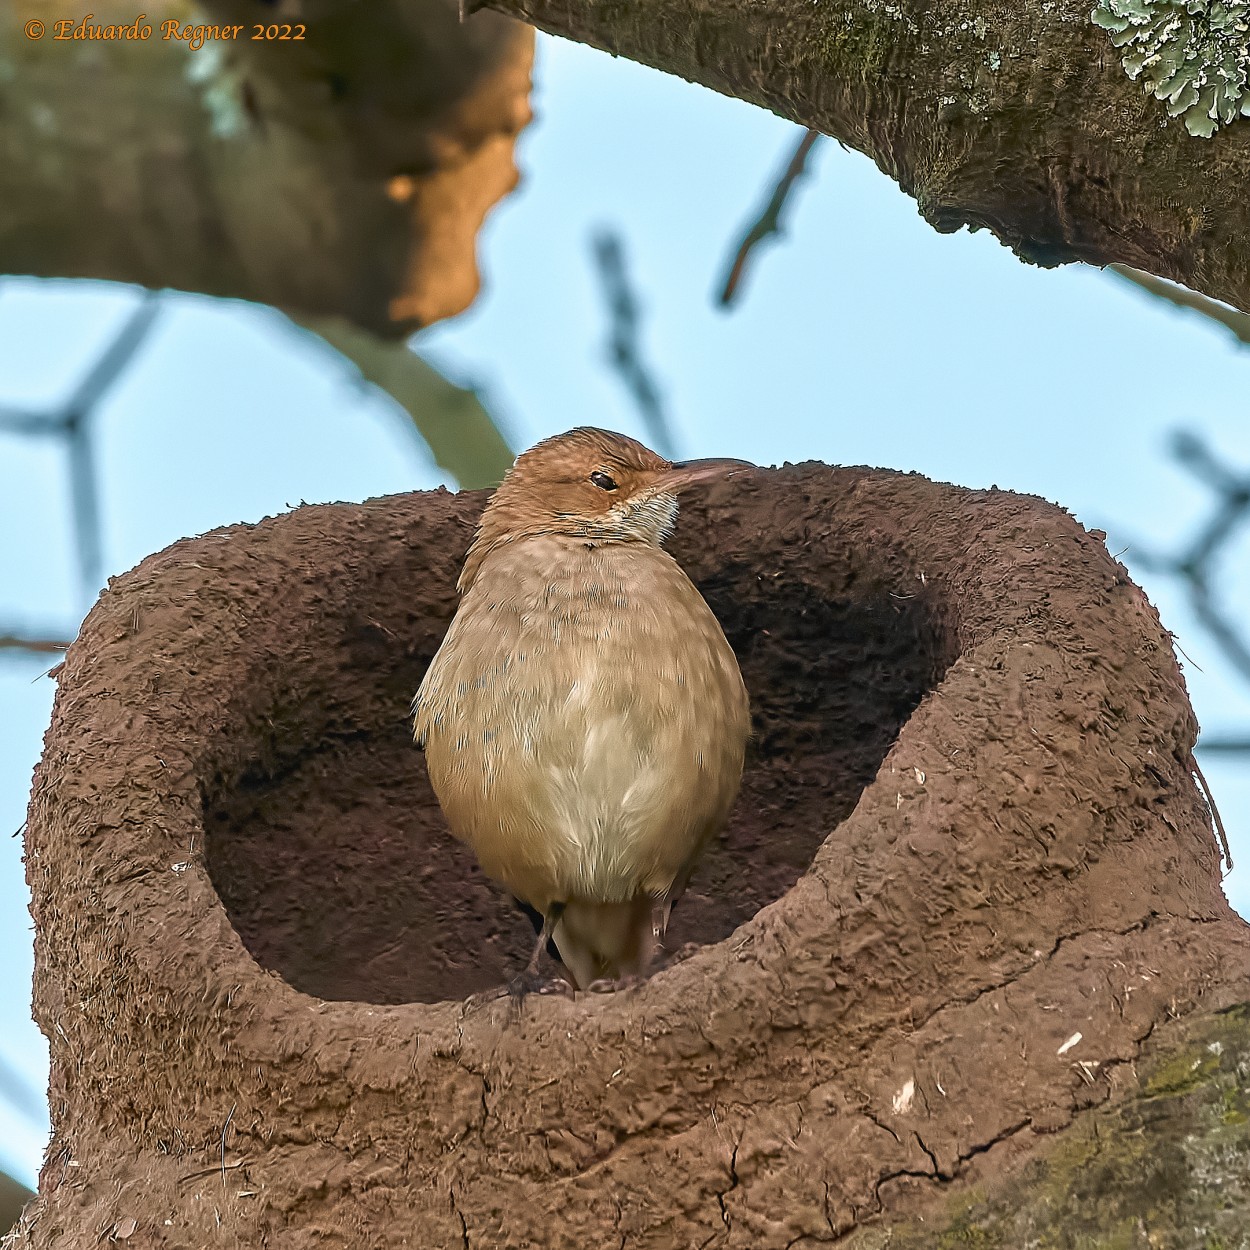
687, 472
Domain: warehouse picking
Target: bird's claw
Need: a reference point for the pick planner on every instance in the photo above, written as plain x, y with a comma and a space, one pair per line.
529, 982
684, 952
606, 985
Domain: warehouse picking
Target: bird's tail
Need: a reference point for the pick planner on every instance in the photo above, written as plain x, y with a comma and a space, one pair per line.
607, 941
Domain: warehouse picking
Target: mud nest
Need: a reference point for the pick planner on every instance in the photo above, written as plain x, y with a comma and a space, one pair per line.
967, 825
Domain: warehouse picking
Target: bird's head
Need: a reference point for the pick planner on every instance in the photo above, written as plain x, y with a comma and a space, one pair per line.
590, 484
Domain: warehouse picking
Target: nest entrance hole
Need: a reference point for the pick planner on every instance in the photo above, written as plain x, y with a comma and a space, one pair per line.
335, 865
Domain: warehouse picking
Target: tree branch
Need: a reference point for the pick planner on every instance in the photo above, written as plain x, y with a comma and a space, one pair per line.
624, 350
13, 1197
342, 173
43, 645
1194, 566
1017, 118
1222, 314
75, 421
769, 221
72, 424
449, 419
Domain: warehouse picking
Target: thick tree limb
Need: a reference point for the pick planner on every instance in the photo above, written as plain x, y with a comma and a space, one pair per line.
342, 174
1019, 118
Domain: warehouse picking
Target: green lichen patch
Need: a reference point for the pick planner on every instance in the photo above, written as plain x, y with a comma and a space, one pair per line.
1182, 1073
1192, 54
1164, 1166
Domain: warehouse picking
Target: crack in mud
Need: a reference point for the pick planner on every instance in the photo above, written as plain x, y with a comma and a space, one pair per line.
464, 1227
941, 1177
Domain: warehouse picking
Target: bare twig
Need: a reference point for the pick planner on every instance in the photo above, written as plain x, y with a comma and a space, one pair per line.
1215, 813
1181, 296
72, 423
24, 642
225, 1128
108, 368
623, 346
76, 421
769, 221
29, 424
1194, 566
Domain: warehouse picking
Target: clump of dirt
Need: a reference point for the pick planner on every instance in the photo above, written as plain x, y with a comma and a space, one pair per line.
967, 835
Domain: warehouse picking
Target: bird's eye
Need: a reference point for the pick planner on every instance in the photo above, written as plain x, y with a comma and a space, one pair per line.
602, 480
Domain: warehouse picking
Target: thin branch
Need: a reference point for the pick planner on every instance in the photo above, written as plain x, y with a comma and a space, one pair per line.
1194, 566
769, 221
76, 419
72, 423
1220, 834
85, 503
1225, 314
623, 340
37, 645
108, 367
1226, 637
30, 424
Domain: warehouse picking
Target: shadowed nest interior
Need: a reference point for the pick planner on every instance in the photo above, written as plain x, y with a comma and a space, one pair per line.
333, 859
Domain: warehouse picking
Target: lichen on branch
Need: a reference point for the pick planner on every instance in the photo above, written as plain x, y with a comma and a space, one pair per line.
1193, 54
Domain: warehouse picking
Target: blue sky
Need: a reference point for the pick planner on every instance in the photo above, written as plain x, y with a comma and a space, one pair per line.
862, 337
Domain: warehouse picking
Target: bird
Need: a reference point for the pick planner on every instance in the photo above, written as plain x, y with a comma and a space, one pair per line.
584, 720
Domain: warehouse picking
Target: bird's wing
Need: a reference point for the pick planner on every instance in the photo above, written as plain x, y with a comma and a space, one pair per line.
419, 711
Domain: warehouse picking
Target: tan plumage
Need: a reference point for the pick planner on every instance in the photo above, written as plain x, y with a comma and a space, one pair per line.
584, 720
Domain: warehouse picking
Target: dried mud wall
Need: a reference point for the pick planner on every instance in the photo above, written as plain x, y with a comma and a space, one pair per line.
969, 884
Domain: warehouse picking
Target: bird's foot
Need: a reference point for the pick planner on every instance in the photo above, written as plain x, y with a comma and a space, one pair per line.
684, 951
608, 985
529, 982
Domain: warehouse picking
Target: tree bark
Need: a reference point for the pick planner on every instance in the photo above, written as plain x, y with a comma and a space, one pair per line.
1161, 1164
1018, 118
345, 173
